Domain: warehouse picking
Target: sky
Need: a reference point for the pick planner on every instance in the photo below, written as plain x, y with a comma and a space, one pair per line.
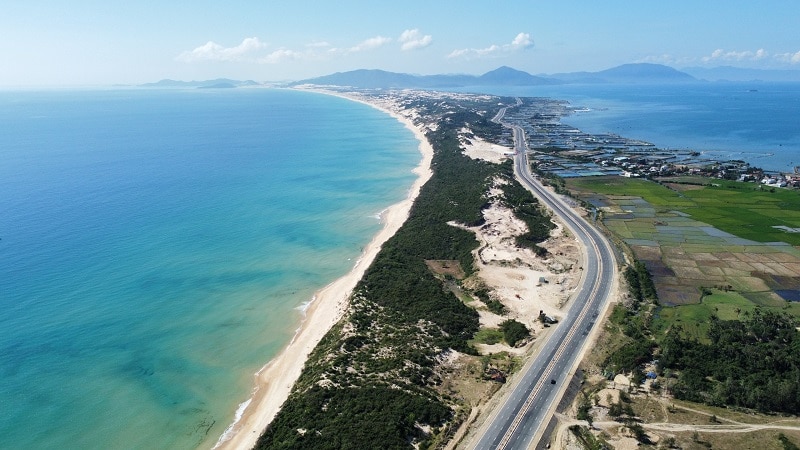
103, 42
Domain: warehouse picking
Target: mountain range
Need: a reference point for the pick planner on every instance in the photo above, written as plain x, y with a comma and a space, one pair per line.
639, 73
503, 76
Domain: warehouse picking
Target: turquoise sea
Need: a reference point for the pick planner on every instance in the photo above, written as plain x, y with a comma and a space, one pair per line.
756, 122
157, 247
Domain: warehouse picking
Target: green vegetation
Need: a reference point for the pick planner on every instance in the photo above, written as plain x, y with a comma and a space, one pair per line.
751, 360
378, 415
526, 208
726, 349
551, 179
584, 409
372, 377
514, 331
752, 363
640, 282
632, 322
492, 304
588, 440
787, 444
636, 346
694, 320
488, 336
745, 209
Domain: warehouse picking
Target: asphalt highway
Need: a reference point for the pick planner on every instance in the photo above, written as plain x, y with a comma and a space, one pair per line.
521, 418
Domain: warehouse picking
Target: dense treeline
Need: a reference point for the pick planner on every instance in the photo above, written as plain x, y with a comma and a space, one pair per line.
640, 283
749, 363
368, 384
752, 363
372, 417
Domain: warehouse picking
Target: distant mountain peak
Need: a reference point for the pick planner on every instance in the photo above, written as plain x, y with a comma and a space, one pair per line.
505, 75
645, 70
373, 78
502, 76
629, 73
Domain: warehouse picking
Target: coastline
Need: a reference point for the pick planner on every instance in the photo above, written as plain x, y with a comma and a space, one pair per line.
274, 381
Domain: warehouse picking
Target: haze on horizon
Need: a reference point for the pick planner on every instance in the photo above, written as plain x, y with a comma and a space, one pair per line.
92, 42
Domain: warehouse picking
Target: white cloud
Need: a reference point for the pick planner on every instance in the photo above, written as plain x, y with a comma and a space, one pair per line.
248, 50
281, 55
791, 58
252, 50
369, 44
746, 55
745, 58
520, 42
523, 40
414, 40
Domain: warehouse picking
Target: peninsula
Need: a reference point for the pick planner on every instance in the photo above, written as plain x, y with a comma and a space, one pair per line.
476, 252
470, 277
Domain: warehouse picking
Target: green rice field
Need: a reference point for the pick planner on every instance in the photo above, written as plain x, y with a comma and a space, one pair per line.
700, 235
744, 209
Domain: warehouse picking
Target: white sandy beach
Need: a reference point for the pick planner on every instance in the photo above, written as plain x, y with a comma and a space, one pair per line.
274, 381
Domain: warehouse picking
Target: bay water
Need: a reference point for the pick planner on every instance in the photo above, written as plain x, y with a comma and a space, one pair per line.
754, 121
157, 248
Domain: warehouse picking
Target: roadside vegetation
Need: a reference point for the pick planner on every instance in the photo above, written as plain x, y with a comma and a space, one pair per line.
372, 381
708, 318
688, 392
749, 362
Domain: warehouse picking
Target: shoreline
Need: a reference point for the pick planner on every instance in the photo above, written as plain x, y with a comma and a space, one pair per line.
274, 381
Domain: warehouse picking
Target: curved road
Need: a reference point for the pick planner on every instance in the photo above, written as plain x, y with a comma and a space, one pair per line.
520, 420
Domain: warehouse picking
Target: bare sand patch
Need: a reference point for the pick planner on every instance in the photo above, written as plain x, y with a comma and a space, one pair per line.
477, 148
523, 282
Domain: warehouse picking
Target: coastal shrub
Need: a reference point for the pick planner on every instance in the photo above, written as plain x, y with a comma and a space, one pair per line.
514, 331
369, 382
352, 418
495, 306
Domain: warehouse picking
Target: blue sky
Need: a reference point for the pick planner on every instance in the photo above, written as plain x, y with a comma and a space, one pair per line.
90, 42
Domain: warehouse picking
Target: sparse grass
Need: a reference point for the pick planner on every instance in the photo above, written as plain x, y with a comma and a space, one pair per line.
488, 336
694, 319
654, 409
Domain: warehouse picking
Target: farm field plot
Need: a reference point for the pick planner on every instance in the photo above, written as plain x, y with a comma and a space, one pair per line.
696, 239
746, 210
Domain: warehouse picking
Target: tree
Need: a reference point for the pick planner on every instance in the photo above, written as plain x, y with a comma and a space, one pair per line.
514, 331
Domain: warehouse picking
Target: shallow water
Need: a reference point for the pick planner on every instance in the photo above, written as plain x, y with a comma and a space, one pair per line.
155, 246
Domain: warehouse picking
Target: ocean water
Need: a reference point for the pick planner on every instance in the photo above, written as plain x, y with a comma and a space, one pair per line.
756, 122
157, 246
